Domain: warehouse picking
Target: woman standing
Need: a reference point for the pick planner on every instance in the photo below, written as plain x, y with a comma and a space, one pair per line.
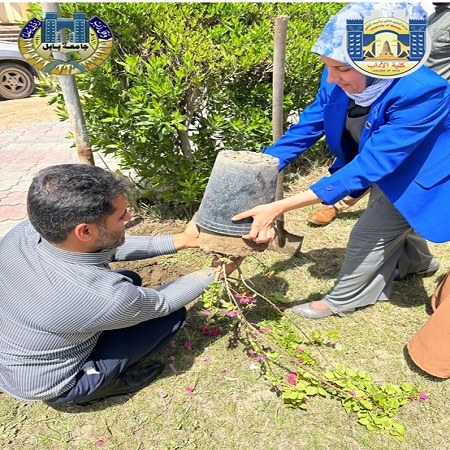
392, 135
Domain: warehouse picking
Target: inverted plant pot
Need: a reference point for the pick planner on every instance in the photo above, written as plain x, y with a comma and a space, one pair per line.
240, 180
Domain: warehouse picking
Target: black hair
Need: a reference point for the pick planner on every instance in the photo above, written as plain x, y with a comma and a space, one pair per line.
63, 196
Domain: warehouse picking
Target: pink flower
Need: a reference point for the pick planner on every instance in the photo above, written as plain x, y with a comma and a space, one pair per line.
100, 443
291, 379
299, 350
211, 331
207, 312
190, 389
423, 396
259, 358
267, 330
233, 313
207, 358
268, 276
187, 345
353, 393
244, 299
251, 352
171, 358
163, 394
247, 300
223, 371
300, 360
172, 344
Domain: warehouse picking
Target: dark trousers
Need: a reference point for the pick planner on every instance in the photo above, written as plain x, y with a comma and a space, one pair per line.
117, 350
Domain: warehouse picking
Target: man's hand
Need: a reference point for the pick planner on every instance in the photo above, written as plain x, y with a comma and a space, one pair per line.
229, 265
188, 238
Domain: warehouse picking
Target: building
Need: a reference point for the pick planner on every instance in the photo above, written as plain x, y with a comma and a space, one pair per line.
12, 17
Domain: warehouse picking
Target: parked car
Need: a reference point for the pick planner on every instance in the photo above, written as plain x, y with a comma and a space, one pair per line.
16, 74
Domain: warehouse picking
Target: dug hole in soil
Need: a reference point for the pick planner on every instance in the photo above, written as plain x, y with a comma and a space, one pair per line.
156, 272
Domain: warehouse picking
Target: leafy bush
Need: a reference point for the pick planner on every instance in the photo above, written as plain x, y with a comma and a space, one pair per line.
186, 80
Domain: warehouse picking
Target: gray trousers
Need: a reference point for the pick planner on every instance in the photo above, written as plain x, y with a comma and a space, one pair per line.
381, 241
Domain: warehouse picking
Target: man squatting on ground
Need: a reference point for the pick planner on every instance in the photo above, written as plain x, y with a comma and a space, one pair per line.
71, 329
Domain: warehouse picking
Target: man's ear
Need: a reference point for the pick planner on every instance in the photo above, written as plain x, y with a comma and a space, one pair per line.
86, 232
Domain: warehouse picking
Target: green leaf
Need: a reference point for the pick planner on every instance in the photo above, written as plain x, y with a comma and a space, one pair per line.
407, 387
364, 421
366, 404
322, 392
312, 390
392, 389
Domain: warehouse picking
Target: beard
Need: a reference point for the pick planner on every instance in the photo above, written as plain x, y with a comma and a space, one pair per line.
107, 240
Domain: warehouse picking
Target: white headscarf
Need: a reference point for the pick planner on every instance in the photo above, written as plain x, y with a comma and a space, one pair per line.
329, 43
371, 92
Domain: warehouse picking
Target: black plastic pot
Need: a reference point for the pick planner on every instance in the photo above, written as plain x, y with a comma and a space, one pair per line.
239, 181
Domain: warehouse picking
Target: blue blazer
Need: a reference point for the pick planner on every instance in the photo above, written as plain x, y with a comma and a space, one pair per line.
404, 148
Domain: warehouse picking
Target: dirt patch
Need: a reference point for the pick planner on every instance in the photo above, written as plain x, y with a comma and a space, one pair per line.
26, 111
156, 272
160, 270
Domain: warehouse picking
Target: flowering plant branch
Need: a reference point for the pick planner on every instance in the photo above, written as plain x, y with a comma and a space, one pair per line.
280, 342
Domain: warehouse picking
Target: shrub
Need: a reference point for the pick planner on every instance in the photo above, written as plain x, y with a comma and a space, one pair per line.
186, 80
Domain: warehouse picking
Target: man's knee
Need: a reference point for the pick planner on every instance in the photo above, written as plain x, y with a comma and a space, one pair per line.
133, 276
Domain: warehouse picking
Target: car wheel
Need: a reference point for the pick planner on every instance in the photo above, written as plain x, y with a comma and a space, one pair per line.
15, 81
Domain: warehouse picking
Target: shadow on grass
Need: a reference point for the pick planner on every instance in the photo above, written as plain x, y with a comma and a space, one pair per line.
414, 368
324, 263
410, 293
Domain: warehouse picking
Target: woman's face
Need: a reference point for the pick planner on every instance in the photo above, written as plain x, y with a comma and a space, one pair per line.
347, 78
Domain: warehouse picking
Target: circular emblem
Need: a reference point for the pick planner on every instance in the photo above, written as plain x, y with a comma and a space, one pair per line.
386, 47
63, 46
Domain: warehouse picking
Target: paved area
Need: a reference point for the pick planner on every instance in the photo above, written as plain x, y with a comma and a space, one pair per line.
23, 152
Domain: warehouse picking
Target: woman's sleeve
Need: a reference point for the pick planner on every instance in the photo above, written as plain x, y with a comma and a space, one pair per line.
407, 122
305, 133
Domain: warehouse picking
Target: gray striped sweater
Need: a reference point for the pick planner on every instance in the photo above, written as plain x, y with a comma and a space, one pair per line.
54, 304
